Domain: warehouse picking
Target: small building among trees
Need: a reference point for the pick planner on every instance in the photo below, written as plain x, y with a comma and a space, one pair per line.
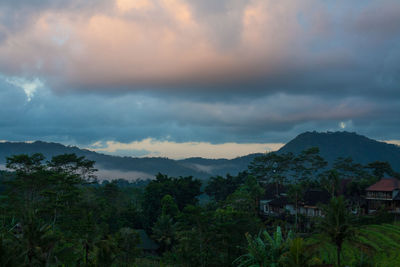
276, 202
384, 194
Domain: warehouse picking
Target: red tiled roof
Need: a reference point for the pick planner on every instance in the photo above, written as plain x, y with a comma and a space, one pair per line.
385, 184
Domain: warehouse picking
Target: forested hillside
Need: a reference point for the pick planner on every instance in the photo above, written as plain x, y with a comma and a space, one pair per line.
55, 213
333, 145
146, 167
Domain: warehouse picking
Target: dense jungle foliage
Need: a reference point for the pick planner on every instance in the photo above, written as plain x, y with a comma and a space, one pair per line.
55, 213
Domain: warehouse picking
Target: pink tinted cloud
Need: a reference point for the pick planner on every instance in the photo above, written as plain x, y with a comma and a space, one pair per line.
143, 43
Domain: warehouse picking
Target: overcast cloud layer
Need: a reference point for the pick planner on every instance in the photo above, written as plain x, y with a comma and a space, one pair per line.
110, 75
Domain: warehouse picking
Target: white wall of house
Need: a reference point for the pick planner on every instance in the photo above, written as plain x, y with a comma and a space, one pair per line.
394, 193
264, 206
291, 208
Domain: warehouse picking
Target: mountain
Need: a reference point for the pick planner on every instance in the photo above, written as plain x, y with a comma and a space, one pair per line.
345, 144
331, 144
130, 167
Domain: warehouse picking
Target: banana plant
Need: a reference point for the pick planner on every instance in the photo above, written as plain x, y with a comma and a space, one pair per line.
264, 250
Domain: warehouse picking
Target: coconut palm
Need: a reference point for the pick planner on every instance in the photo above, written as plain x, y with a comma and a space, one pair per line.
38, 241
298, 255
127, 241
337, 224
10, 251
164, 232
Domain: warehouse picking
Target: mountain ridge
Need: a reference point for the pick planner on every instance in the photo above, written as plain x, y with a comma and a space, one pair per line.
345, 144
331, 144
124, 166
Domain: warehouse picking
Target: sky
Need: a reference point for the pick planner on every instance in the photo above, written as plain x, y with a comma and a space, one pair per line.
182, 78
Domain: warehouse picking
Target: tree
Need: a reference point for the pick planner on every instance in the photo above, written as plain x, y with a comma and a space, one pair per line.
193, 238
265, 250
246, 197
295, 194
79, 167
164, 232
106, 251
168, 206
306, 165
298, 254
10, 250
127, 241
212, 238
337, 224
347, 168
380, 168
44, 198
39, 241
330, 181
25, 191
219, 188
303, 168
184, 190
271, 168
277, 168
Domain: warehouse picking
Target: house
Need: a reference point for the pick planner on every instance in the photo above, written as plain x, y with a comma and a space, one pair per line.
277, 206
384, 193
275, 202
310, 205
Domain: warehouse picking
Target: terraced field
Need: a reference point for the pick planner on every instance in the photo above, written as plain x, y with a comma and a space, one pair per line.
375, 245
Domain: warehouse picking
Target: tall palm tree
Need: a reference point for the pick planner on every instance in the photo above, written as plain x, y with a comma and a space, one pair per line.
38, 241
11, 253
298, 255
337, 224
106, 251
164, 232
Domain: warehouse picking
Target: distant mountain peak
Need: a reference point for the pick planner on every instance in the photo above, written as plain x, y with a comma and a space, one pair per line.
345, 144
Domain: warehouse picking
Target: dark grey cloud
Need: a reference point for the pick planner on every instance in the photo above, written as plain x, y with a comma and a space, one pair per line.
340, 48
125, 118
205, 77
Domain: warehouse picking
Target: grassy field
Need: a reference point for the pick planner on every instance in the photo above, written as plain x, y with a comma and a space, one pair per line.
374, 245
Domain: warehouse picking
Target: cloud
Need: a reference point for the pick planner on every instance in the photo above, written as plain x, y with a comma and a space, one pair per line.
103, 174
88, 118
208, 72
347, 125
394, 142
179, 46
183, 150
29, 87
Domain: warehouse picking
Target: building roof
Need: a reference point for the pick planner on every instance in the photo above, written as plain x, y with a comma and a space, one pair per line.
280, 201
314, 197
271, 190
385, 184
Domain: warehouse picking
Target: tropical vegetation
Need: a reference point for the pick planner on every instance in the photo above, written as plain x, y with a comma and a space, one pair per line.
54, 212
